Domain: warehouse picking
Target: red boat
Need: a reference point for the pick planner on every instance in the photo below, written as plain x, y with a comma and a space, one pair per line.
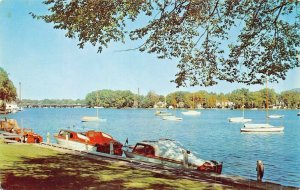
171, 153
28, 136
89, 141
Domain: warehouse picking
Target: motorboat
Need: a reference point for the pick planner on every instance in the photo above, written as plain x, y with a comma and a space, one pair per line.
28, 136
261, 128
191, 112
170, 153
298, 114
239, 120
162, 113
24, 135
89, 141
275, 116
172, 118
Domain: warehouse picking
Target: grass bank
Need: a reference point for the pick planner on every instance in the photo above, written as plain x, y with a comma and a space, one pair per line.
24, 166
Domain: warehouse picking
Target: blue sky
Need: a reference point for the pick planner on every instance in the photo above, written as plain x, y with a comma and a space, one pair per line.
49, 65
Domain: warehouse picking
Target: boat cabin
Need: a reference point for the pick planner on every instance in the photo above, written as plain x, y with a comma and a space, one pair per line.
144, 149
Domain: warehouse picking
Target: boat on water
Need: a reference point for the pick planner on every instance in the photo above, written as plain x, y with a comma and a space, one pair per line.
298, 114
172, 118
239, 120
191, 112
275, 116
91, 140
162, 113
170, 153
261, 128
92, 118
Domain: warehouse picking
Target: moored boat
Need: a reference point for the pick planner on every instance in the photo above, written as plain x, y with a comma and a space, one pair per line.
239, 120
24, 135
191, 112
261, 128
298, 114
162, 113
89, 141
172, 118
90, 119
275, 116
170, 153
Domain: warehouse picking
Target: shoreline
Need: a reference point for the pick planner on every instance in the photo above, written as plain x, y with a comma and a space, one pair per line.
162, 174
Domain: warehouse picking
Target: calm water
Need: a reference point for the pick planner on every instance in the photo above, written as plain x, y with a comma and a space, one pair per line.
210, 135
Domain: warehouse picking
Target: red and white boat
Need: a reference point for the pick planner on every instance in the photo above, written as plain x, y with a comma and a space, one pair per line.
89, 141
171, 153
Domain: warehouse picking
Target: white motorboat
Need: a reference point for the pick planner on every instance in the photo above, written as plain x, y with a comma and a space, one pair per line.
261, 128
191, 112
239, 120
170, 153
275, 116
94, 141
172, 118
298, 114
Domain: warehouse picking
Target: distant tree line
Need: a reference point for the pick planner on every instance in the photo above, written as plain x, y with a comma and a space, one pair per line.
53, 102
181, 99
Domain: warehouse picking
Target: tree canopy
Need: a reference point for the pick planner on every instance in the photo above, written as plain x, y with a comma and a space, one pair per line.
7, 89
232, 40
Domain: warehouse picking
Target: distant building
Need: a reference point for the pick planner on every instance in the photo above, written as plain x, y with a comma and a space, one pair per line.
223, 104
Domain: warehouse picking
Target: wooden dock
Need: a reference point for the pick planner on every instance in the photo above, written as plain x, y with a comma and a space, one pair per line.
230, 181
7, 137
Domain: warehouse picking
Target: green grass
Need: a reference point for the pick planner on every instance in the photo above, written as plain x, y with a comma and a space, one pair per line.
33, 167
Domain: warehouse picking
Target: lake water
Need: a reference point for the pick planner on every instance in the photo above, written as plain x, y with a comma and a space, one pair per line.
210, 135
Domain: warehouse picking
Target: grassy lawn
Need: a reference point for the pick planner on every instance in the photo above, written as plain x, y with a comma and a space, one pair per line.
24, 166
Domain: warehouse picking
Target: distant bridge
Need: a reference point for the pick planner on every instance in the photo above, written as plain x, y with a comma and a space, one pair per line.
56, 106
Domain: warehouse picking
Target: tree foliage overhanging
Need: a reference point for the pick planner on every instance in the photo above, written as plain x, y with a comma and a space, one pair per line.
232, 40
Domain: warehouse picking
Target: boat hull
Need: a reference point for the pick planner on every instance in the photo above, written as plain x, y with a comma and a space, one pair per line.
76, 145
172, 118
262, 129
191, 113
239, 120
275, 116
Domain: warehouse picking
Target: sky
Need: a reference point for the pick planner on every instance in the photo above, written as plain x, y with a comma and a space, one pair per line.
51, 66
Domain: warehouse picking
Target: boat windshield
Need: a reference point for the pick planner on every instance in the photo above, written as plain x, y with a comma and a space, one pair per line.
144, 149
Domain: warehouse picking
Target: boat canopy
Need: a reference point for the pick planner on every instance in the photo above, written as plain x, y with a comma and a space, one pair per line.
171, 149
